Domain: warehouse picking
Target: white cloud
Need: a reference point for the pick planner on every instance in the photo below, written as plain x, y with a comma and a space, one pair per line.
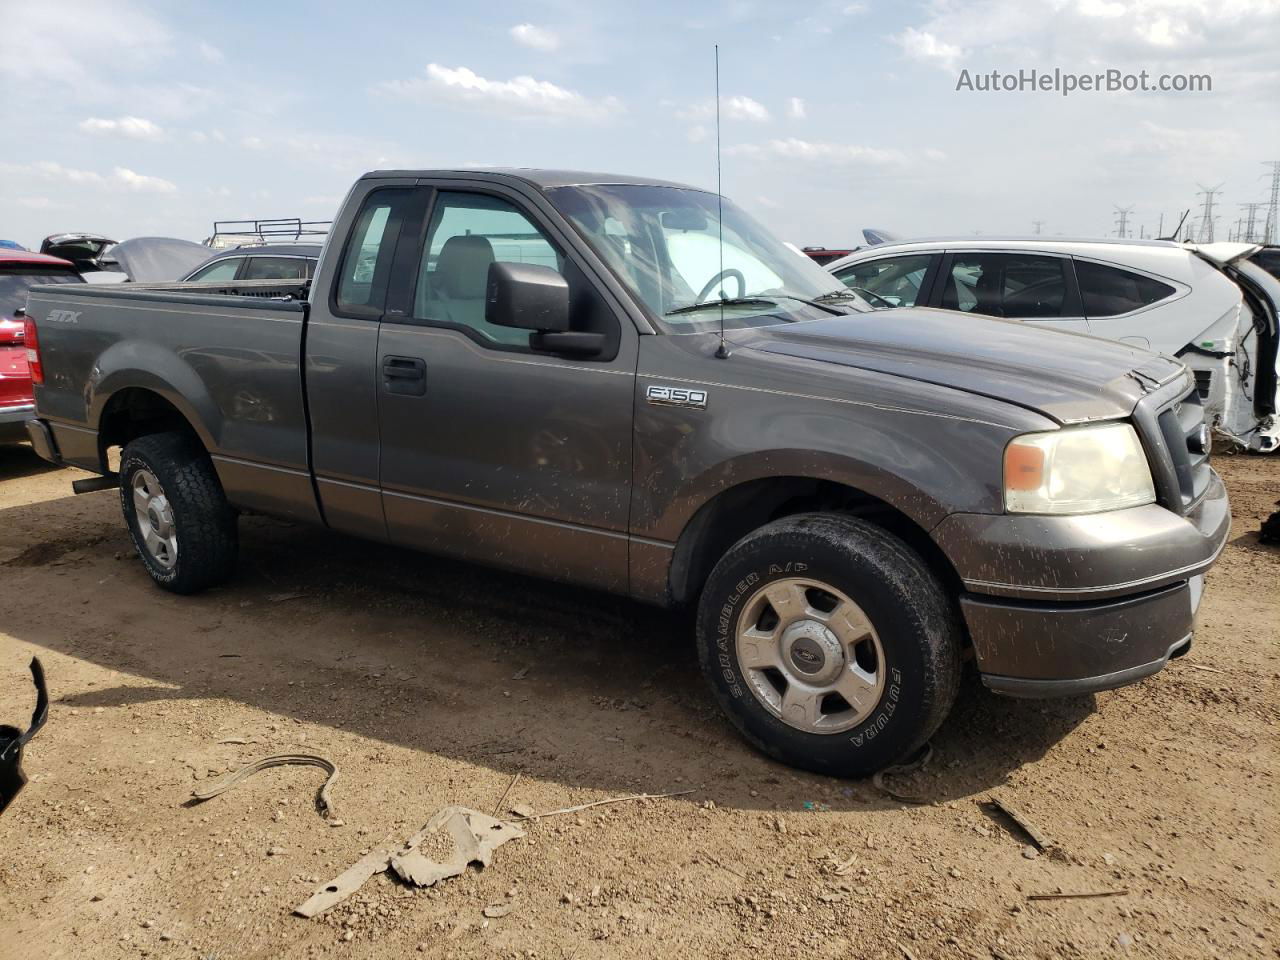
923, 45
253, 143
538, 38
209, 53
52, 171
77, 45
744, 108
795, 108
1076, 33
794, 149
731, 108
522, 95
119, 178
134, 128
140, 182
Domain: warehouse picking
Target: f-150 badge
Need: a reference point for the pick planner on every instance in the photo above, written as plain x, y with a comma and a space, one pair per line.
675, 396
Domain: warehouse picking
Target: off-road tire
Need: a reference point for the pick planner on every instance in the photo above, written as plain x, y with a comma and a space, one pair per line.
908, 608
205, 523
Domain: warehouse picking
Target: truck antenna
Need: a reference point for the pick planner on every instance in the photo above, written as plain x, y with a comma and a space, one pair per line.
723, 351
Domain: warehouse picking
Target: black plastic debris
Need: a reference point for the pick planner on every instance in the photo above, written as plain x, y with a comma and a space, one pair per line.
12, 740
1270, 532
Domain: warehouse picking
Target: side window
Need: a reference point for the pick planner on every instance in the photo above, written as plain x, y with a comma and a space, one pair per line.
366, 259
896, 280
1110, 291
469, 231
1015, 285
276, 268
219, 272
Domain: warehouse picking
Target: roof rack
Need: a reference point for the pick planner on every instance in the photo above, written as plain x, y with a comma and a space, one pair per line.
238, 233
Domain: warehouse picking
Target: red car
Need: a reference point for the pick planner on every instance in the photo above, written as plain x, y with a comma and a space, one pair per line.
19, 271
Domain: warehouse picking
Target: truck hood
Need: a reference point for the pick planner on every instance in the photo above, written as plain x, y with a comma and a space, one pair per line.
1067, 376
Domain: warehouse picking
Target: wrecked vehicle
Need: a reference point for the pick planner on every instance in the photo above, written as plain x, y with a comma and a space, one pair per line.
158, 259
1181, 300
596, 379
90, 252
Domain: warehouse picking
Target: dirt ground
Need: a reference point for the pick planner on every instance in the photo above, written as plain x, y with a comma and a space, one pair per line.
430, 683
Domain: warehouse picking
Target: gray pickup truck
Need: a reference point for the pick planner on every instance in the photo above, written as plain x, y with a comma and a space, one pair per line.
605, 381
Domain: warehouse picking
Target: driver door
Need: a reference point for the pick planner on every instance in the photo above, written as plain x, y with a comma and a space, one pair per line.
489, 450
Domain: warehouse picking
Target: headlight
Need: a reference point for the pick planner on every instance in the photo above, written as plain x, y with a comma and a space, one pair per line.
1077, 470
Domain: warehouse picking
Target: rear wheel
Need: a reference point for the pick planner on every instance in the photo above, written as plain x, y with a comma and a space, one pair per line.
181, 524
829, 643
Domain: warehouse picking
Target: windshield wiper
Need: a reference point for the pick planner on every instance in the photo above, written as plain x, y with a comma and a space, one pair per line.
812, 303
843, 294
727, 301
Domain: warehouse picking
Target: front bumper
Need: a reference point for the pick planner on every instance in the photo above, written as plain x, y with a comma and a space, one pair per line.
1057, 606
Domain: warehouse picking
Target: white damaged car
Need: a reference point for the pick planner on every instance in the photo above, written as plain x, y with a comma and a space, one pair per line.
1207, 305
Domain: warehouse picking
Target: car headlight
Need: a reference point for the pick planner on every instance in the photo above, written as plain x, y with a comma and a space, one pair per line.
1077, 470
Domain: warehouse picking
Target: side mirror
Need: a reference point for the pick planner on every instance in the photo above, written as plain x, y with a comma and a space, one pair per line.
528, 296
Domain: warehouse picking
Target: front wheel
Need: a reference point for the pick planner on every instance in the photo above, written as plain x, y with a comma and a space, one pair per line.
181, 524
829, 643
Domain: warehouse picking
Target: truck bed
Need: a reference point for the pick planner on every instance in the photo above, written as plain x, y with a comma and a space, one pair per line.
227, 357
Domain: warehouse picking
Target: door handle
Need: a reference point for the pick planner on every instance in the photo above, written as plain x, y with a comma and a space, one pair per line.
406, 376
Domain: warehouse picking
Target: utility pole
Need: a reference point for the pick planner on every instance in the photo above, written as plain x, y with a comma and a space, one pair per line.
1250, 221
1037, 224
1206, 214
1272, 232
1122, 221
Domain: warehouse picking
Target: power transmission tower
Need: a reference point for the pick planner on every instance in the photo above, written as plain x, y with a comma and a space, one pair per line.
1206, 213
1250, 221
1037, 224
1272, 233
1122, 221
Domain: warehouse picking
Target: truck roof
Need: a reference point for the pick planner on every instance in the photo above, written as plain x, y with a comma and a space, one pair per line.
542, 179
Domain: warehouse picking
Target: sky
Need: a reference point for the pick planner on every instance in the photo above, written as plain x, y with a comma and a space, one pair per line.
136, 118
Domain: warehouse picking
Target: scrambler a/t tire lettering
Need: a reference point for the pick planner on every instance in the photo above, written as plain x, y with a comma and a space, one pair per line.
829, 644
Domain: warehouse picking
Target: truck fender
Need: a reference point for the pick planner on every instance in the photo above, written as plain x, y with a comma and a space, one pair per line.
136, 363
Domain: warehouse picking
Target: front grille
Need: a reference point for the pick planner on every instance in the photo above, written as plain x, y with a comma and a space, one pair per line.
1182, 426
1204, 383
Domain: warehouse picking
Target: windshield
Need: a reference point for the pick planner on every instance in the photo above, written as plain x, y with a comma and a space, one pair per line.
14, 286
664, 244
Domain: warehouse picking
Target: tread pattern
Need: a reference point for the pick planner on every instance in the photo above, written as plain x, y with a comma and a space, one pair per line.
208, 540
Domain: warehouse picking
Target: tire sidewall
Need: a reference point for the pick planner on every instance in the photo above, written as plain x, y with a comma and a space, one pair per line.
131, 461
901, 719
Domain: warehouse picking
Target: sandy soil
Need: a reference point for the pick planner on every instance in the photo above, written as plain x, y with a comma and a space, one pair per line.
430, 683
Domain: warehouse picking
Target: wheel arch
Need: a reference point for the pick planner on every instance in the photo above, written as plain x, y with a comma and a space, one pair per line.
733, 512
151, 379
136, 411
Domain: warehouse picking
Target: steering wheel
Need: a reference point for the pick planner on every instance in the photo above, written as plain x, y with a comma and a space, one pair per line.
718, 278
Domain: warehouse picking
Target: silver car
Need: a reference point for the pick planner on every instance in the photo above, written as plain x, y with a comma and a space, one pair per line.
1208, 306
